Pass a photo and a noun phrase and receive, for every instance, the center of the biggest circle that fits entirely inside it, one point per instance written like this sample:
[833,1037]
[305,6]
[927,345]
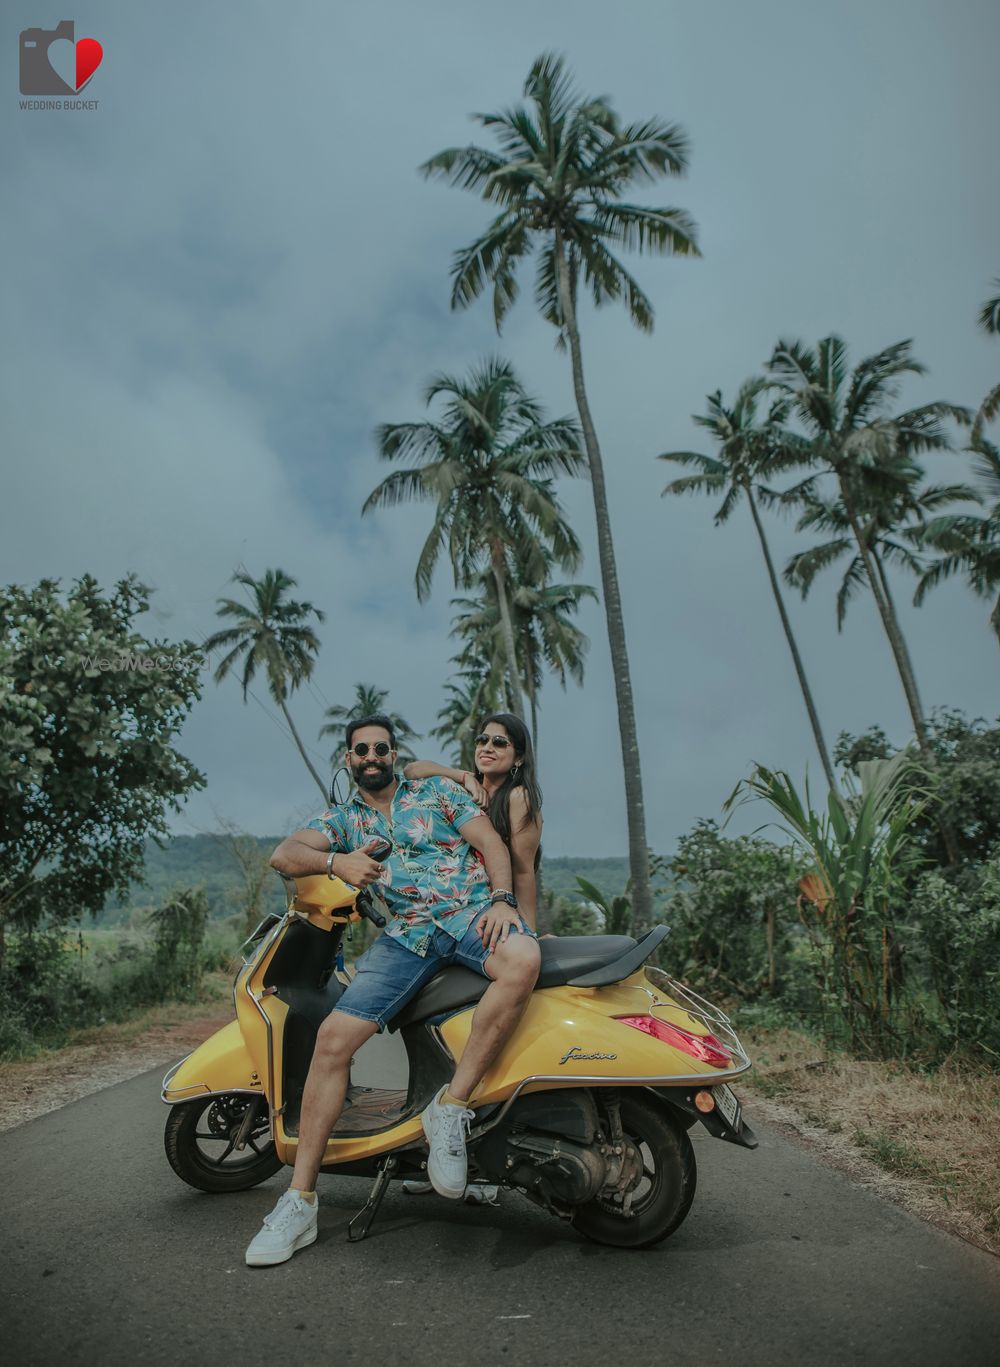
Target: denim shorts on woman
[389,975]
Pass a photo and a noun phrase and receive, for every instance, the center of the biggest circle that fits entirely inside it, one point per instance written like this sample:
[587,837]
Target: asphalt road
[107,1258]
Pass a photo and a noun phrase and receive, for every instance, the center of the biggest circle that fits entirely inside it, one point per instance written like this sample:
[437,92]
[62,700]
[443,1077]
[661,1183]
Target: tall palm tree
[272,634]
[750,451]
[489,466]
[368,700]
[891,522]
[544,634]
[558,178]
[471,693]
[968,544]
[853,437]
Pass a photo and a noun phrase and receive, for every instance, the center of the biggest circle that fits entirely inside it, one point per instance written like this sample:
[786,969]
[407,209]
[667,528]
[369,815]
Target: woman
[505,786]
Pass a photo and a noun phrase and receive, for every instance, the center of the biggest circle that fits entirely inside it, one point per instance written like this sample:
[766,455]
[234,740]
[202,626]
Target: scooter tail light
[705,1048]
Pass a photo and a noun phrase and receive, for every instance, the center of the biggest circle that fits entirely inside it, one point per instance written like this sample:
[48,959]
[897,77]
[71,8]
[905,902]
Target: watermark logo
[54,64]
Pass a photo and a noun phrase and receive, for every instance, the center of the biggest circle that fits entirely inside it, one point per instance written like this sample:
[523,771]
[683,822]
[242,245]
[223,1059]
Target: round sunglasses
[381,748]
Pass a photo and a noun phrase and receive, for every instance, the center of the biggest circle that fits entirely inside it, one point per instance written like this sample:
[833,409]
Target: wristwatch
[502,895]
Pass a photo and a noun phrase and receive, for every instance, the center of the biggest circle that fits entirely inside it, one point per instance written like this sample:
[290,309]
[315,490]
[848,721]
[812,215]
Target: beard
[372,782]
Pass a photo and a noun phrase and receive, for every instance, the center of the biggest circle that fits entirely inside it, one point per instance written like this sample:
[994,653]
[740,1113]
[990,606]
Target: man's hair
[376,719]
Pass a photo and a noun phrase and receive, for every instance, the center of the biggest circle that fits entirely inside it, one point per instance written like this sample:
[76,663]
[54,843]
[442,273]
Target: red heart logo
[89,55]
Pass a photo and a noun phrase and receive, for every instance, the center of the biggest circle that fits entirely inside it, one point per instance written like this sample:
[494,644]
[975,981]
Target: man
[448,907]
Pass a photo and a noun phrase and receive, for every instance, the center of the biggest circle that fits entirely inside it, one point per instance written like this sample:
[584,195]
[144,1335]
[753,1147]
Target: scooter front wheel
[660,1195]
[201,1136]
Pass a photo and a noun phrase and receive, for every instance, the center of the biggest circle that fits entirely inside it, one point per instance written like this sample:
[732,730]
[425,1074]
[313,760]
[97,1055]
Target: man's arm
[480,833]
[307,851]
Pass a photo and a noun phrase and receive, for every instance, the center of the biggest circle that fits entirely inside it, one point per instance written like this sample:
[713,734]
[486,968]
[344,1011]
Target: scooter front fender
[221,1065]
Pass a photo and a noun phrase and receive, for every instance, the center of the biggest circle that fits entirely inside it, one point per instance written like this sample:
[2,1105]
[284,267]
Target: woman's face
[495,751]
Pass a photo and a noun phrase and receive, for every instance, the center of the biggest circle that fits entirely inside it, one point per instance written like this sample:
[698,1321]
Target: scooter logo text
[576,1053]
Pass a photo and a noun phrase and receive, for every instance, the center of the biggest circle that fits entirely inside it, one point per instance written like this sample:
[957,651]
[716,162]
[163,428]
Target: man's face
[370,770]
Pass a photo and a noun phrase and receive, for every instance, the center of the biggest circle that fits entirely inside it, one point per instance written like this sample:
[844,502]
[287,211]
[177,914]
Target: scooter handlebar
[364,906]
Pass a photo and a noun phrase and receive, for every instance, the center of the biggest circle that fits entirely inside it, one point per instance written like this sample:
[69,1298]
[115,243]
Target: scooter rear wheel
[200,1139]
[660,1198]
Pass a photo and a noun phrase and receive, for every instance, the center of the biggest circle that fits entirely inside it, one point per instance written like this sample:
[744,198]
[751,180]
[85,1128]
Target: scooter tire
[665,1199]
[196,1166]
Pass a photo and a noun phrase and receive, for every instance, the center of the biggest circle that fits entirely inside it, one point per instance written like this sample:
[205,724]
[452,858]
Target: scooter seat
[563,959]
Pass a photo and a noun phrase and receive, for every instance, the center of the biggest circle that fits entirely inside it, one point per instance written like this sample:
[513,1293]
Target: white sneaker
[475,1194]
[290,1226]
[447,1161]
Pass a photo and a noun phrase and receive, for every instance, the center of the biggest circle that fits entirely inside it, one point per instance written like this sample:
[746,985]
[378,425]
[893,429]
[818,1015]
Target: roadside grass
[937,1133]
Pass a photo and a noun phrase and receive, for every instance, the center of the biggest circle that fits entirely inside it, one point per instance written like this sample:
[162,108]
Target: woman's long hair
[521,776]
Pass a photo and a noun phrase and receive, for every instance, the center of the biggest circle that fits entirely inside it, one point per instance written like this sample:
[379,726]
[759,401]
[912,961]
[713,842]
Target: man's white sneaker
[447,1161]
[290,1226]
[475,1194]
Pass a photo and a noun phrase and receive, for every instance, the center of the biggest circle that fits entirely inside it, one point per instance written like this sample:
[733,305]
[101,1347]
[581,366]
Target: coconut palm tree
[488,464]
[968,544]
[749,451]
[989,321]
[891,526]
[853,437]
[561,169]
[544,634]
[272,634]
[471,694]
[368,701]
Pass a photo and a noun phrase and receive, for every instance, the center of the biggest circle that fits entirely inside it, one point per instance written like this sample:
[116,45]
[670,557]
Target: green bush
[958,922]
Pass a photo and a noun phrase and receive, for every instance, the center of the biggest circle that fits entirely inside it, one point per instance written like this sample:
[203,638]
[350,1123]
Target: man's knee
[518,961]
[336,1040]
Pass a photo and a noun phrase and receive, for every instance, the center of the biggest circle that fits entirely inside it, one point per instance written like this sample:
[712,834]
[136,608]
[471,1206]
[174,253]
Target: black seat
[563,959]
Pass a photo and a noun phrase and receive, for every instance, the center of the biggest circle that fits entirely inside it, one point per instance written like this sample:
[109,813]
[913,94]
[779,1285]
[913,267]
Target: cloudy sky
[222,278]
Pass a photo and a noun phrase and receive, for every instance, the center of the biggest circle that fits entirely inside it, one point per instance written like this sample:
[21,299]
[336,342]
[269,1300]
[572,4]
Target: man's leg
[338,1040]
[514,969]
[388,976]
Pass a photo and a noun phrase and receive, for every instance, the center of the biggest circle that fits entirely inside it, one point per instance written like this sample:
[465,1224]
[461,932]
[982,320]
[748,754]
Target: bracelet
[329,863]
[500,892]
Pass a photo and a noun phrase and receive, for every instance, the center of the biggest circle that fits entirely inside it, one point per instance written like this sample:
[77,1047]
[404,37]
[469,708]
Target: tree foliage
[89,712]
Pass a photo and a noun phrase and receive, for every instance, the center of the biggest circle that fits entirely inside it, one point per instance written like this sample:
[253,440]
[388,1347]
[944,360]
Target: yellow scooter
[585,1111]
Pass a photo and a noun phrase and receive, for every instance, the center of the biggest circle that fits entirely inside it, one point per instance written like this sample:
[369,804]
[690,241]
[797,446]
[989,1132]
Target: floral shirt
[432,878]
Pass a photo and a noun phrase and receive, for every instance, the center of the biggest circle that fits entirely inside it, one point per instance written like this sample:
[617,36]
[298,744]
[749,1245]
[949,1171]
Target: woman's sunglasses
[380,747]
[498,742]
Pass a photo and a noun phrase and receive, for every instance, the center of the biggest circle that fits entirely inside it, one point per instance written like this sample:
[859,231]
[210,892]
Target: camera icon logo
[53,63]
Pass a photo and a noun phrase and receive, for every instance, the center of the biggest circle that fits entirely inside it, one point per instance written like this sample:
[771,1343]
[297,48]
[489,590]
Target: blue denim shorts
[388,975]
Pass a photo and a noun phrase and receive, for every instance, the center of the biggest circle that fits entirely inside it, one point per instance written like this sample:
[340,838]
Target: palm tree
[272,634]
[748,452]
[853,437]
[472,693]
[368,701]
[989,321]
[544,634]
[969,544]
[894,517]
[558,177]
[489,466]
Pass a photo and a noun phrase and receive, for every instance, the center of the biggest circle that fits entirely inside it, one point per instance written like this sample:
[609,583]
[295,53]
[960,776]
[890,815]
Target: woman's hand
[476,790]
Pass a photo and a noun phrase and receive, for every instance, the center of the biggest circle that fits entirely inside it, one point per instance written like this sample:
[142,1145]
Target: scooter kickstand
[359,1226]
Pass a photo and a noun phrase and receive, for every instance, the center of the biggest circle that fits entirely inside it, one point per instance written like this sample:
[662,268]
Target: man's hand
[358,868]
[495,925]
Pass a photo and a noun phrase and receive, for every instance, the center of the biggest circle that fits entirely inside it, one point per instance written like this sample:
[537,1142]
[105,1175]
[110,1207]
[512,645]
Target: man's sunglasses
[381,748]
[498,742]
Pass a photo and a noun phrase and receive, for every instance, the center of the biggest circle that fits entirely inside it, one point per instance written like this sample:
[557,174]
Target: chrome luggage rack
[710,1016]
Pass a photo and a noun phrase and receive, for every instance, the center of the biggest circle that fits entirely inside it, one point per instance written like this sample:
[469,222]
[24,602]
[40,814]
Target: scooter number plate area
[728,1106]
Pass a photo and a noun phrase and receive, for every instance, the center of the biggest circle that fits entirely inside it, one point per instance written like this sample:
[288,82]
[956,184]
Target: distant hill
[209,861]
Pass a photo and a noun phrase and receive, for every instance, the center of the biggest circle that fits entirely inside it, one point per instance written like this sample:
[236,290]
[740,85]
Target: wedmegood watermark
[55,67]
[134,663]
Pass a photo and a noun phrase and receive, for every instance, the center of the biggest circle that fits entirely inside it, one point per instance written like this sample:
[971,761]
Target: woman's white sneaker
[291,1225]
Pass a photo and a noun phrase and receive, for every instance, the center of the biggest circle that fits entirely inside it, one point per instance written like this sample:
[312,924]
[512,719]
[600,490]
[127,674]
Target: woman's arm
[426,768]
[525,834]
